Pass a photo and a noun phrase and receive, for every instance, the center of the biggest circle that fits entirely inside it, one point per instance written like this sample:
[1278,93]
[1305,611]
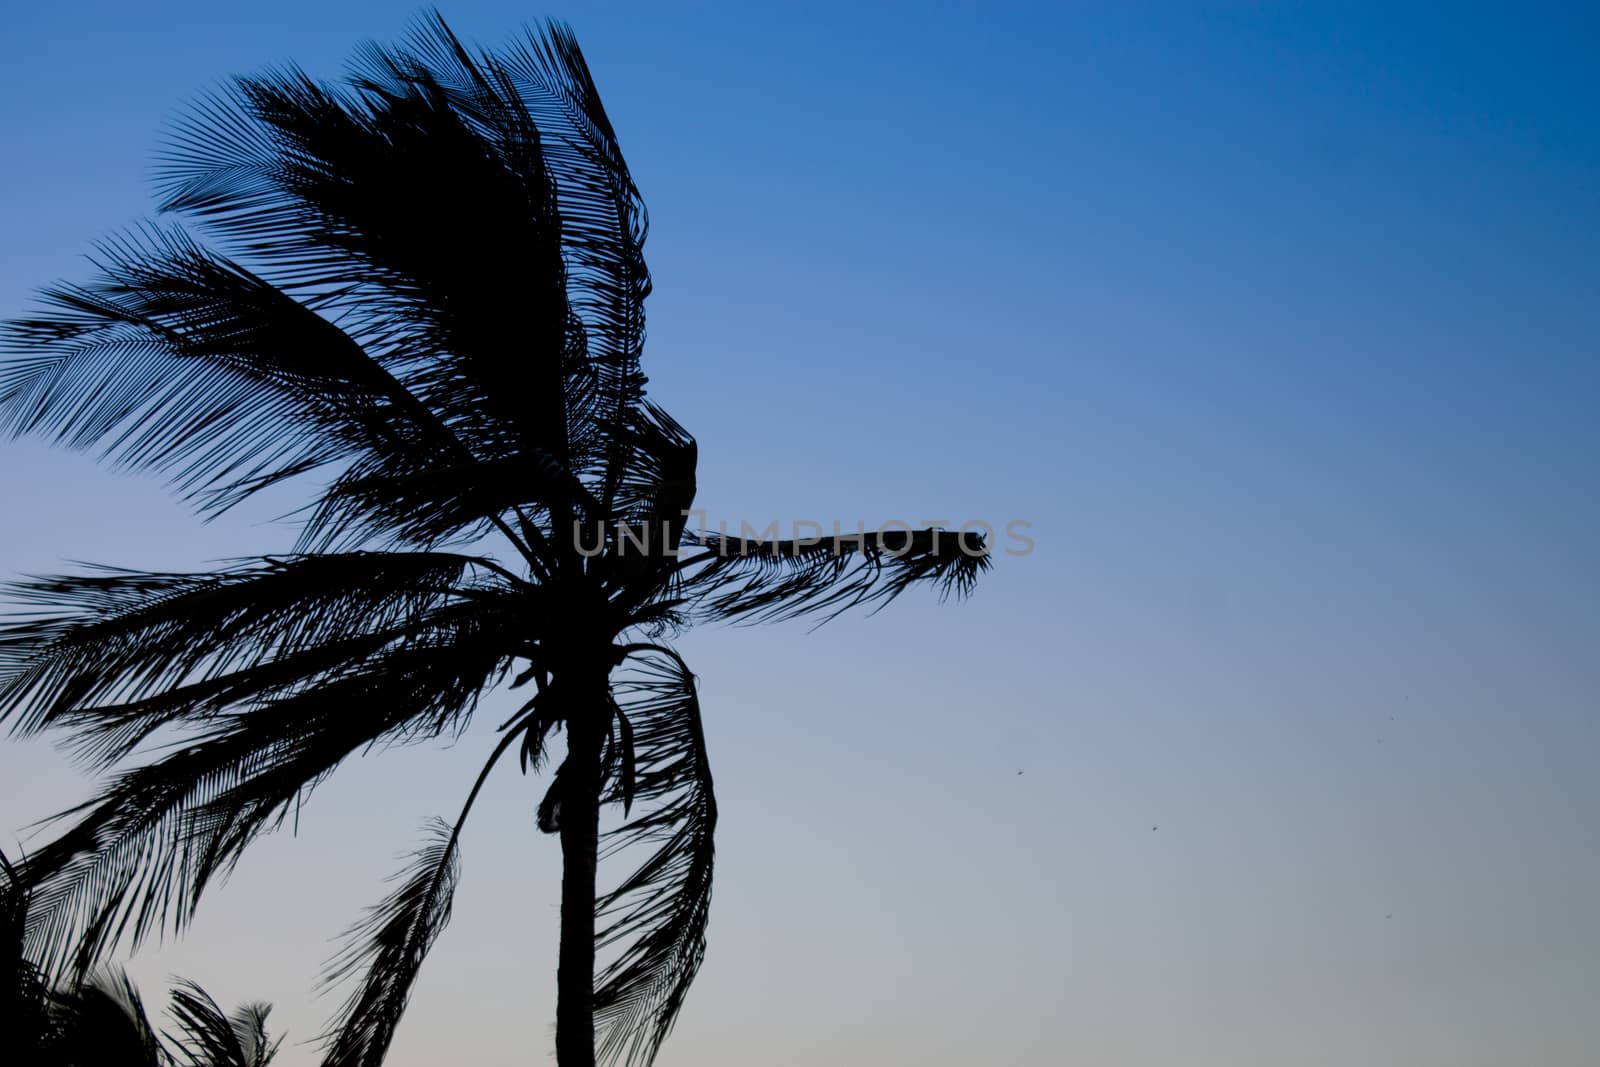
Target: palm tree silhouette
[101,1020]
[430,286]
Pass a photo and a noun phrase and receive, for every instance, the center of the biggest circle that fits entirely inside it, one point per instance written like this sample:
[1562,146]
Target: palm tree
[25,1016]
[101,1021]
[427,284]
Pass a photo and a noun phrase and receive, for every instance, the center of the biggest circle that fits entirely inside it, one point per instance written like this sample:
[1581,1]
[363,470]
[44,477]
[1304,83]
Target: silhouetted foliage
[100,1019]
[428,284]
[25,1016]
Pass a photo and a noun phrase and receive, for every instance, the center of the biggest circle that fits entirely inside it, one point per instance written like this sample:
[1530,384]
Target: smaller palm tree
[102,1022]
[25,1019]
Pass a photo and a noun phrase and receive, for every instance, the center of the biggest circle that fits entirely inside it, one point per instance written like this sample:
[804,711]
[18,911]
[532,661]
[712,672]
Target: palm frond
[650,510]
[655,917]
[103,1021]
[390,944]
[206,1037]
[606,224]
[138,857]
[387,948]
[759,581]
[118,653]
[424,202]
[183,362]
[249,1022]
[545,83]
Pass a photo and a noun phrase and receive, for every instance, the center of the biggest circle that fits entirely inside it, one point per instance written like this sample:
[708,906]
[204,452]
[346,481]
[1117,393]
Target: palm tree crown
[426,283]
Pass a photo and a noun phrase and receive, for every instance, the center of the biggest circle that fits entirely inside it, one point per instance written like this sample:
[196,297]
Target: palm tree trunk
[580,831]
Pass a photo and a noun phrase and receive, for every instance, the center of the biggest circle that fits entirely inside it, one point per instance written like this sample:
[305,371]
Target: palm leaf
[421,203]
[655,917]
[544,83]
[130,651]
[760,581]
[387,948]
[138,857]
[186,363]
[206,1037]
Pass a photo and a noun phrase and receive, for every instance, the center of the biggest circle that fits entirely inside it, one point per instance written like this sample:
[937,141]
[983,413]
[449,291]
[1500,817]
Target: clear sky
[1279,322]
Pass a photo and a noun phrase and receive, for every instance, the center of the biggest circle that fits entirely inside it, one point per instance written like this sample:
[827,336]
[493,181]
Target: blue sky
[1278,322]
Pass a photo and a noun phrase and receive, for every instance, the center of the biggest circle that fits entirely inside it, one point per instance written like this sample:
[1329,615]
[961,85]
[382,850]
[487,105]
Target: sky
[1277,322]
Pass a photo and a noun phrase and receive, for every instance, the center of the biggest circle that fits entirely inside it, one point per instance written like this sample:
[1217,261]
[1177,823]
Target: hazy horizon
[1277,323]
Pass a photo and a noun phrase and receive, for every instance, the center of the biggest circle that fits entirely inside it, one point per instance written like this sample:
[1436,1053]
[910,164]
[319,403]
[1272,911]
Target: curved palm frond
[207,1037]
[762,581]
[652,504]
[545,83]
[337,191]
[388,947]
[127,652]
[606,222]
[138,857]
[655,916]
[183,362]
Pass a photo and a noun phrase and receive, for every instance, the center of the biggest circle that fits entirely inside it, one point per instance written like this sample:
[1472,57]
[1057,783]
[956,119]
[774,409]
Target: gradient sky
[1279,324]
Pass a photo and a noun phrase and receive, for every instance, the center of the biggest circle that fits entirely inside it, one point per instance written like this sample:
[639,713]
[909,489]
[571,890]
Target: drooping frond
[184,362]
[755,580]
[655,917]
[138,856]
[117,654]
[652,503]
[606,225]
[545,80]
[386,949]
[440,238]
[206,1037]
